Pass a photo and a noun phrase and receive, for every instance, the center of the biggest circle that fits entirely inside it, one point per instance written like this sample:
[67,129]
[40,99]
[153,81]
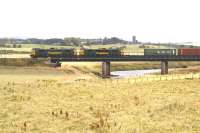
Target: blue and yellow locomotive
[70,53]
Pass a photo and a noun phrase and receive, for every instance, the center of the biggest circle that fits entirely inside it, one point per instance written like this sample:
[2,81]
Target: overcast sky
[149,20]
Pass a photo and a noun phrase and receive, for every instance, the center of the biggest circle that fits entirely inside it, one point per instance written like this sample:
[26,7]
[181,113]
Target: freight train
[111,52]
[173,52]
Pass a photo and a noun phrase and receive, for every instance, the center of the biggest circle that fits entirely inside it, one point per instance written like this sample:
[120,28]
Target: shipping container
[159,51]
[189,51]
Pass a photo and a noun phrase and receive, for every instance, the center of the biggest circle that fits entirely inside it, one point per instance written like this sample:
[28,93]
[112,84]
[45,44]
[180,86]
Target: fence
[150,78]
[143,79]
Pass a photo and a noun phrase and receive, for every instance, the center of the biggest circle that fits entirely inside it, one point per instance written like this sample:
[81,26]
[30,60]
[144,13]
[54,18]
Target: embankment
[93,68]
[22,62]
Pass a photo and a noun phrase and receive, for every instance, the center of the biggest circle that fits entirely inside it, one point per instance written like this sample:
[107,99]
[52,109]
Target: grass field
[46,46]
[131,48]
[47,100]
[15,55]
[95,67]
[25,50]
[39,99]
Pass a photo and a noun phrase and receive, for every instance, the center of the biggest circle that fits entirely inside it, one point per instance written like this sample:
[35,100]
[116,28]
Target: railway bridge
[106,61]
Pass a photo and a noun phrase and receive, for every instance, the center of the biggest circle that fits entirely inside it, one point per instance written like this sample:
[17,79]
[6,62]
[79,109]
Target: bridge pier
[58,64]
[106,69]
[164,67]
[53,63]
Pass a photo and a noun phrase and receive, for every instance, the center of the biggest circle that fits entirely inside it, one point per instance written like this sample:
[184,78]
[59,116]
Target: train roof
[53,49]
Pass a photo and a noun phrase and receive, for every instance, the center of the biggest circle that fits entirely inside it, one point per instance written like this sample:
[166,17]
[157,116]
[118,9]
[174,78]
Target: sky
[148,20]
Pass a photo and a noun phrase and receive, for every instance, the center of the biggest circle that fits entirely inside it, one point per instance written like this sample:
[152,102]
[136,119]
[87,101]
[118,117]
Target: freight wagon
[189,51]
[159,52]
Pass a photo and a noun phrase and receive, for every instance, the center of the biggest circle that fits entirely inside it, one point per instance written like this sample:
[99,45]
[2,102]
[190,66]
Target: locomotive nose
[33,54]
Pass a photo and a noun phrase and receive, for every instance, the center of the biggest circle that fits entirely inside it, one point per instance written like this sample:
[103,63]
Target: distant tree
[88,42]
[34,41]
[105,40]
[67,41]
[54,41]
[72,41]
[3,42]
[14,46]
[113,40]
[76,41]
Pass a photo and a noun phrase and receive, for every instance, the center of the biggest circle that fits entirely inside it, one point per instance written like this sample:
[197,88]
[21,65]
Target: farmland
[25,50]
[127,48]
[37,98]
[45,100]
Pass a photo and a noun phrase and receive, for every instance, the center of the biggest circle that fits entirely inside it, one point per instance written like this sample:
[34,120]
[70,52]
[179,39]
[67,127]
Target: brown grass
[40,101]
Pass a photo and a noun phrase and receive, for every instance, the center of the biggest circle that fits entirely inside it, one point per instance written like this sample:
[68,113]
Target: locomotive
[107,53]
[63,53]
[52,53]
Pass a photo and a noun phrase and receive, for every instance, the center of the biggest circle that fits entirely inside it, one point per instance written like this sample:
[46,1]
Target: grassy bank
[39,101]
[22,62]
[94,67]
[36,98]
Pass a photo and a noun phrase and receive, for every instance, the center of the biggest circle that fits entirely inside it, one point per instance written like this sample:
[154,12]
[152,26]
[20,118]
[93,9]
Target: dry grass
[22,62]
[43,100]
[18,49]
[190,69]
[15,56]
[120,66]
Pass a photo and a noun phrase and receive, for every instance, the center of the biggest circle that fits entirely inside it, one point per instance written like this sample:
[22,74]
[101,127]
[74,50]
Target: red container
[189,51]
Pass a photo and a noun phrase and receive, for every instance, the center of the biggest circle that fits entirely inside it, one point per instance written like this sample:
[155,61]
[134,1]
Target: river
[133,73]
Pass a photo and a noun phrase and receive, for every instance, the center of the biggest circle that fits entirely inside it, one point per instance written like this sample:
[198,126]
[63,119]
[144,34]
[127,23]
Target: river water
[133,73]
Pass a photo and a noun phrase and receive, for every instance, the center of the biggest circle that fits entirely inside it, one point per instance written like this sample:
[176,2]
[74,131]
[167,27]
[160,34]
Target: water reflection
[133,73]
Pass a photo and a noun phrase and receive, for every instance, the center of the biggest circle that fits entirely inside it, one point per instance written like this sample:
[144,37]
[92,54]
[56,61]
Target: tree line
[72,41]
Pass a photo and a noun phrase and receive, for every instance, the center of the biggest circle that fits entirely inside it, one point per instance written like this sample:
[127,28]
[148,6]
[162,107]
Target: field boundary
[150,78]
[143,79]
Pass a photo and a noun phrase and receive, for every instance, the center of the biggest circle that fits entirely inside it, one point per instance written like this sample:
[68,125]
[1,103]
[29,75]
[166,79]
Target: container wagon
[189,51]
[159,52]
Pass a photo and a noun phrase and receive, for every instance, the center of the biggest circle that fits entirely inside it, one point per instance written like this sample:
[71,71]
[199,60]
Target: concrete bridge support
[106,69]
[164,67]
[58,64]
